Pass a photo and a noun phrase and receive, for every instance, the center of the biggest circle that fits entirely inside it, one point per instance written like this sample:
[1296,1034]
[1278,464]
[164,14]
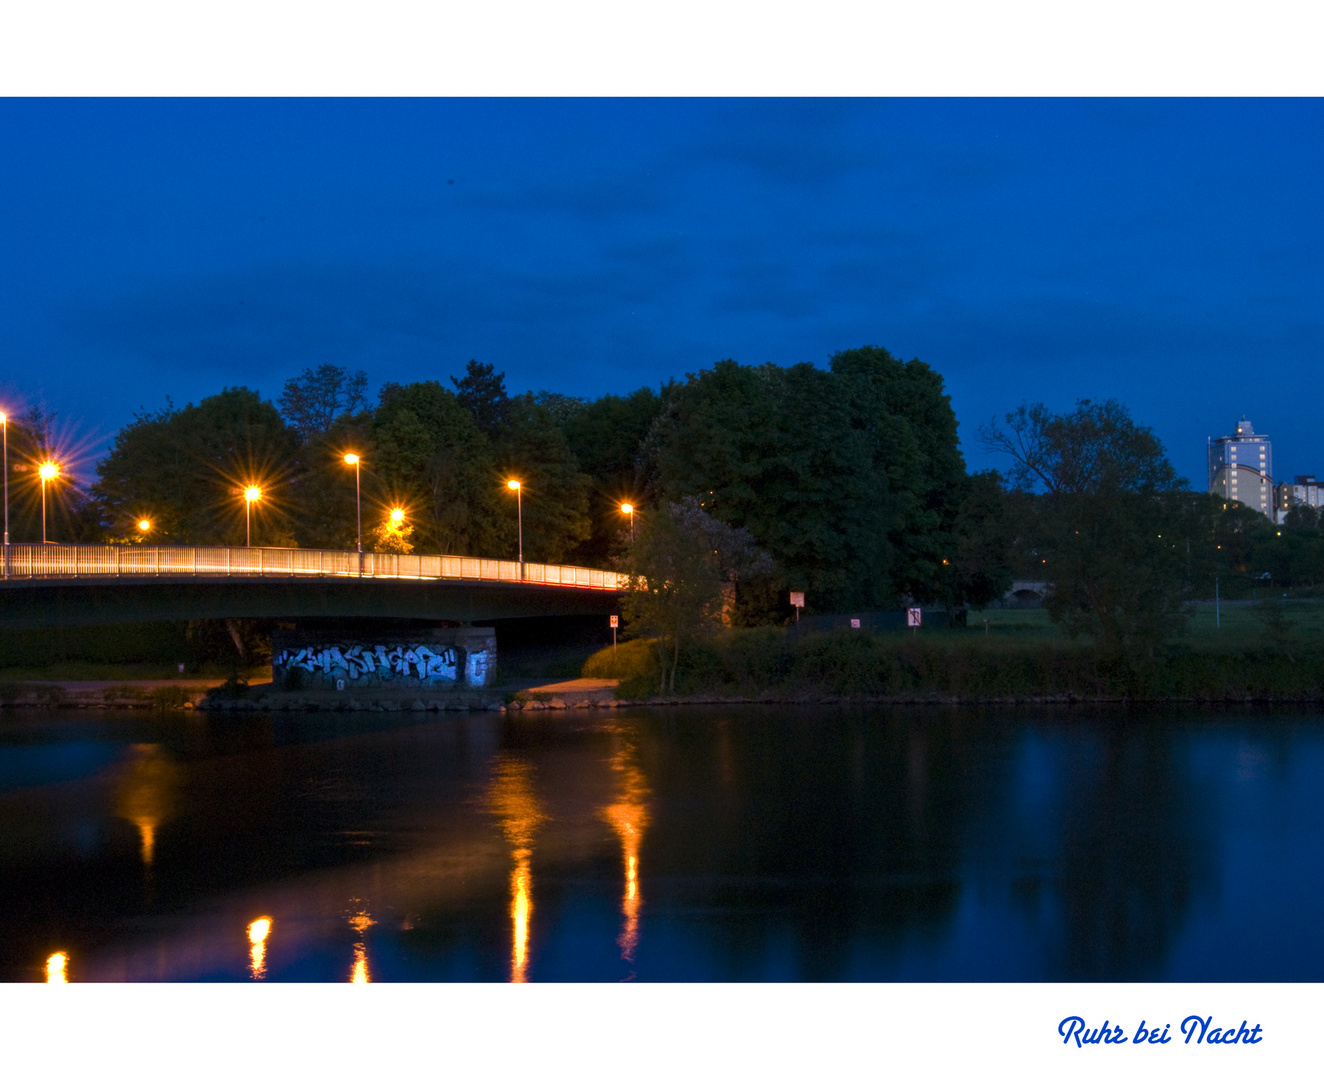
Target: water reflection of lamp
[258,932]
[57,968]
[360,921]
[359,972]
[511,798]
[145,795]
[629,817]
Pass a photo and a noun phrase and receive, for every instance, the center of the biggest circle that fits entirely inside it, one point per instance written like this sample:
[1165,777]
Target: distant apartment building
[1302,491]
[1241,469]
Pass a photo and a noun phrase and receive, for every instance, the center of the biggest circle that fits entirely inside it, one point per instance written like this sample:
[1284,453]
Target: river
[680,844]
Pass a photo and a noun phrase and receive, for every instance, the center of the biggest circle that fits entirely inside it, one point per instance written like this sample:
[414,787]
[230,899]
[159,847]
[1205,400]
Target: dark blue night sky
[1166,253]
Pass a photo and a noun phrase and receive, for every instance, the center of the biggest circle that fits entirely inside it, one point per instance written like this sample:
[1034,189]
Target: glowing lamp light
[397,516]
[513,485]
[252,494]
[258,930]
[626,508]
[144,525]
[3,418]
[48,470]
[351,459]
[57,968]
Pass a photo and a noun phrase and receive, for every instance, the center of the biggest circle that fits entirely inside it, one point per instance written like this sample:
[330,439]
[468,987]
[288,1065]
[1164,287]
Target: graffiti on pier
[383,665]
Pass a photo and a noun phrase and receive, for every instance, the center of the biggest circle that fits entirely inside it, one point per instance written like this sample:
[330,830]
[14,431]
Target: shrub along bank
[765,662]
[143,650]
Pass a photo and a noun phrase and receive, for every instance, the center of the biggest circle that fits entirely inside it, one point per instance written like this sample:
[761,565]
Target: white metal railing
[29,561]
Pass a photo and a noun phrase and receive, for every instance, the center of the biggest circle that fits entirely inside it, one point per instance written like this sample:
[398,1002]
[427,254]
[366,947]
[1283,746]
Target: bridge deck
[69,564]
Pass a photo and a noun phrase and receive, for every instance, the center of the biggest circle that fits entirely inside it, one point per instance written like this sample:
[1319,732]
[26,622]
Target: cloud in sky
[1162,252]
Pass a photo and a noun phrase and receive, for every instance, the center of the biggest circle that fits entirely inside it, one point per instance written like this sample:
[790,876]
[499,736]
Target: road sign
[855,624]
[615,621]
[914,616]
[797,599]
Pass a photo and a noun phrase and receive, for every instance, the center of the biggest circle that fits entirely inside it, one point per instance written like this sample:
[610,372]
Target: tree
[314,400]
[906,418]
[534,451]
[185,469]
[607,437]
[392,537]
[836,474]
[71,516]
[1107,524]
[1097,448]
[427,455]
[681,565]
[982,540]
[322,496]
[482,392]
[562,407]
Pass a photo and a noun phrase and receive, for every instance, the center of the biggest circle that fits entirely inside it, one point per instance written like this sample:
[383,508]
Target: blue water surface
[746,843]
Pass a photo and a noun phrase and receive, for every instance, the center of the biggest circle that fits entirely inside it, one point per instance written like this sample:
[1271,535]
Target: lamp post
[144,526]
[251,495]
[353,459]
[626,508]
[514,486]
[4,423]
[48,470]
[397,518]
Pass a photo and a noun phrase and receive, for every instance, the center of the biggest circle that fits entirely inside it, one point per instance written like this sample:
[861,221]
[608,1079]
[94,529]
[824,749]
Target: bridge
[67,585]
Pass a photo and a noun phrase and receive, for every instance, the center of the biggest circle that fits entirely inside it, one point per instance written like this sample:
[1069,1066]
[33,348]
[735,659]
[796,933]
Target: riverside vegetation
[1263,651]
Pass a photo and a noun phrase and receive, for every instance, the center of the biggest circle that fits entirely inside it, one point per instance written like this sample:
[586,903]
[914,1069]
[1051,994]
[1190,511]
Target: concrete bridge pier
[359,659]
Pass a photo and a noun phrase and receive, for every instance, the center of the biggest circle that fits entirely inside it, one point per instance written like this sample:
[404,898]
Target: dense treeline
[847,481]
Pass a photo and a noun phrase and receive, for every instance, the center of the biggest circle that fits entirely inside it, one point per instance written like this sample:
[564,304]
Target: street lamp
[514,486]
[626,508]
[397,518]
[144,526]
[251,495]
[48,470]
[353,459]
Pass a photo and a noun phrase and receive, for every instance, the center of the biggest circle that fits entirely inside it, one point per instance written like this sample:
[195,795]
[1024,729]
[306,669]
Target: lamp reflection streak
[511,799]
[359,922]
[145,794]
[57,968]
[628,816]
[359,972]
[520,908]
[258,931]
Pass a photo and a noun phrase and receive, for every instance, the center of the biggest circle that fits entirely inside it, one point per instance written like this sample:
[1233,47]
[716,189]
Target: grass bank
[1259,658]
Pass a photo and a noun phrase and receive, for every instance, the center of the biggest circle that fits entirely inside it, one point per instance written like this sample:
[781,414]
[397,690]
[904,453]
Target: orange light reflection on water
[359,972]
[359,922]
[57,968]
[147,833]
[258,931]
[520,908]
[511,798]
[145,794]
[628,816]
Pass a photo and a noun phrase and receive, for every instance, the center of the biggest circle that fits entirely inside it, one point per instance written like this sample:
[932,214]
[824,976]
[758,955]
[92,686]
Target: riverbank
[1276,664]
[261,696]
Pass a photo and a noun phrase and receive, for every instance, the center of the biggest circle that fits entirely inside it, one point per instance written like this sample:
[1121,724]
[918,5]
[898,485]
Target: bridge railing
[29,561]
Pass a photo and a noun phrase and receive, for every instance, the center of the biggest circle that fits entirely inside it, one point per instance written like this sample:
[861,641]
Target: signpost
[615,622]
[797,602]
[914,617]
